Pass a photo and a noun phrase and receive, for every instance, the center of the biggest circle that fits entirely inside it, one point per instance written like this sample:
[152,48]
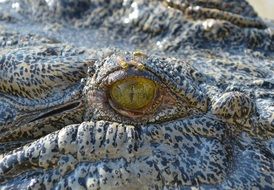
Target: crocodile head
[195,111]
[177,129]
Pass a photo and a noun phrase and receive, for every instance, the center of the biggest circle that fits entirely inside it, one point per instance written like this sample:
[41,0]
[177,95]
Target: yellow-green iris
[133,93]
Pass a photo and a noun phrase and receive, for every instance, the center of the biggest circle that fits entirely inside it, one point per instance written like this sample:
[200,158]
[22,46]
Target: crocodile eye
[133,93]
[138,89]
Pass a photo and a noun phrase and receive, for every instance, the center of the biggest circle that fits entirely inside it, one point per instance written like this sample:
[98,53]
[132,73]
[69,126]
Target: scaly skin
[213,126]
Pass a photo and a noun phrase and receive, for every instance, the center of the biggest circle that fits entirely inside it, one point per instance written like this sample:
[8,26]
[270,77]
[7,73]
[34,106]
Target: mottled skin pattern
[213,128]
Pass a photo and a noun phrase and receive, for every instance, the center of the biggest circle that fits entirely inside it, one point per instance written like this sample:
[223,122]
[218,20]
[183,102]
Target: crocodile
[136,94]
